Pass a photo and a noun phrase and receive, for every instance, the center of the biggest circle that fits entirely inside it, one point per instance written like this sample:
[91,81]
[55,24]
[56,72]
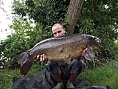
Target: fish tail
[25,63]
[26,67]
[22,58]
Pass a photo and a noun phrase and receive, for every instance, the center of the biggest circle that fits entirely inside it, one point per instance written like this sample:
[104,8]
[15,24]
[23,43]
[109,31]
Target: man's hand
[83,53]
[42,57]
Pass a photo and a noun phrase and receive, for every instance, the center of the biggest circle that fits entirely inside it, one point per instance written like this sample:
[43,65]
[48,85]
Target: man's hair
[58,24]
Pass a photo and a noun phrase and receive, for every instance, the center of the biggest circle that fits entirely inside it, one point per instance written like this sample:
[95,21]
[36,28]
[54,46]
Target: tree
[73,13]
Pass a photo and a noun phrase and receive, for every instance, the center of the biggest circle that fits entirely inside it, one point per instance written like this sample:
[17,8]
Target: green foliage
[45,12]
[24,38]
[27,13]
[98,18]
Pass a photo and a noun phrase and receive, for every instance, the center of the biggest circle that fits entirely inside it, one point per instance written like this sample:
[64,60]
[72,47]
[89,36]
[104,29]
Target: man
[60,71]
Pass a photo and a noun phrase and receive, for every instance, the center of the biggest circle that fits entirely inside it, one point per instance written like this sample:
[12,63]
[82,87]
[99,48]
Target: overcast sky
[5,18]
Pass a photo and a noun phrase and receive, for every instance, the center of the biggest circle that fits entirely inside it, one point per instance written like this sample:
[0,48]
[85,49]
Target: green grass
[107,75]
[102,76]
[6,78]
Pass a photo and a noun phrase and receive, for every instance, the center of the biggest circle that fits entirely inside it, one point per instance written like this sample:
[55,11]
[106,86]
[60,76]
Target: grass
[102,76]
[107,75]
[6,78]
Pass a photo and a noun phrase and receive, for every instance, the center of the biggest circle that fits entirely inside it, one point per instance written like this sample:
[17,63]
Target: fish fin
[89,54]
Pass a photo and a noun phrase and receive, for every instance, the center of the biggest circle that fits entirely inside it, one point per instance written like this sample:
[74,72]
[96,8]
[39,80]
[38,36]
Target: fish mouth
[97,43]
[98,40]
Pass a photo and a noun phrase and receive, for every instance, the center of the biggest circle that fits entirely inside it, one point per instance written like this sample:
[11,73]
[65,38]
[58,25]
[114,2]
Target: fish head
[93,41]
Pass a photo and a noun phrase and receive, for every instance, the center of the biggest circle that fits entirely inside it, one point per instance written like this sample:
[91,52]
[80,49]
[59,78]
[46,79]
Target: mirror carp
[61,48]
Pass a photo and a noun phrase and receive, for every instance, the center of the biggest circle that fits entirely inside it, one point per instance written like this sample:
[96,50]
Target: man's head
[58,30]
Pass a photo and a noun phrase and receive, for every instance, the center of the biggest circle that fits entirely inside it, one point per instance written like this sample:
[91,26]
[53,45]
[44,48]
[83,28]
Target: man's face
[58,30]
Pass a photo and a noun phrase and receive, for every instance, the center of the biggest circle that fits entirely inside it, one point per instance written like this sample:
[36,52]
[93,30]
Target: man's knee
[50,64]
[82,63]
[77,66]
[52,67]
[79,62]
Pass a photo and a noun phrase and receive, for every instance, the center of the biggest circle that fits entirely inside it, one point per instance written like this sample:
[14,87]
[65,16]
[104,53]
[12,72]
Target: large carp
[61,48]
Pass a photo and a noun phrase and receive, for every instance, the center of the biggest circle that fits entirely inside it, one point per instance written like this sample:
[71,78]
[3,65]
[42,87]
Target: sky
[5,18]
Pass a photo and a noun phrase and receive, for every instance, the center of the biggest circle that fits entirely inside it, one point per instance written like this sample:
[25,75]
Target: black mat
[42,80]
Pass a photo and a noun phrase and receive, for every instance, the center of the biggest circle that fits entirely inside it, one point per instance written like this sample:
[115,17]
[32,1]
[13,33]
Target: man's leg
[75,67]
[72,77]
[54,69]
[57,76]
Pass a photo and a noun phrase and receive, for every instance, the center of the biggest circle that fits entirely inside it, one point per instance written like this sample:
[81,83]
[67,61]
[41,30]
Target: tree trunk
[73,13]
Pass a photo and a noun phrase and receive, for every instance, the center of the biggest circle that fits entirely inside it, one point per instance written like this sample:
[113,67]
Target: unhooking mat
[42,80]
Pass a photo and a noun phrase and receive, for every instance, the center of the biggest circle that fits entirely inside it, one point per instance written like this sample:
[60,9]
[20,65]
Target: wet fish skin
[58,49]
